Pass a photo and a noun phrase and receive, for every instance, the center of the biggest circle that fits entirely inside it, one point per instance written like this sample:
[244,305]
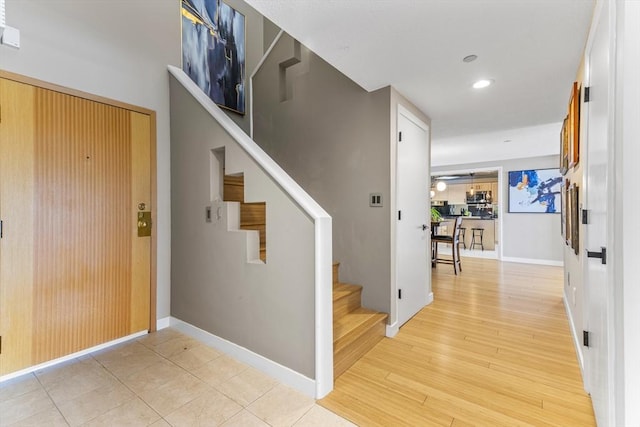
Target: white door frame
[612,287]
[501,196]
[393,327]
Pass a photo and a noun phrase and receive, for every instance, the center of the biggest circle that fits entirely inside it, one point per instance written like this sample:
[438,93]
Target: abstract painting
[535,191]
[213,51]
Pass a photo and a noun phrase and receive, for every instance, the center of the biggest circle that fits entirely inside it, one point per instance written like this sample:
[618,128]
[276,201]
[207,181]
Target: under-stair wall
[270,308]
[333,138]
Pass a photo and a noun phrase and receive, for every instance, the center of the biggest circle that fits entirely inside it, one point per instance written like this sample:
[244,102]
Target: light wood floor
[494,348]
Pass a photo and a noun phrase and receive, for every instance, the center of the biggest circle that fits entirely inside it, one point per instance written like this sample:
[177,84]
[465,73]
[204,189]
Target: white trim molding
[534,261]
[574,335]
[163,323]
[72,356]
[281,373]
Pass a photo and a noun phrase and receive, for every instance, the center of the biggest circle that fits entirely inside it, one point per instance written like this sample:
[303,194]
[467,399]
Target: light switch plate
[11,37]
[375,200]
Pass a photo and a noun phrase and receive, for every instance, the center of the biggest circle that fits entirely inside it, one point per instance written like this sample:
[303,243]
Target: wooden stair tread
[354,324]
[341,290]
[356,330]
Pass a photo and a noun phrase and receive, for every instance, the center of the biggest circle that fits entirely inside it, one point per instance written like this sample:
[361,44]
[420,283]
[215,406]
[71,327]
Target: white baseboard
[429,298]
[469,253]
[71,356]
[392,330]
[281,373]
[534,261]
[574,333]
[163,323]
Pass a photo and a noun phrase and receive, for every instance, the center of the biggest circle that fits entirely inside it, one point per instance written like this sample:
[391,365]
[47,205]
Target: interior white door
[413,280]
[598,356]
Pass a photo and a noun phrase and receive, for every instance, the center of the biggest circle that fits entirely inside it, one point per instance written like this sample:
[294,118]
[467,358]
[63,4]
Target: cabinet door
[457,194]
[494,192]
[441,196]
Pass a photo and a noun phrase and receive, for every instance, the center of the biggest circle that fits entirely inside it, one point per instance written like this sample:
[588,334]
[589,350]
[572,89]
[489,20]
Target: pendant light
[441,186]
[472,190]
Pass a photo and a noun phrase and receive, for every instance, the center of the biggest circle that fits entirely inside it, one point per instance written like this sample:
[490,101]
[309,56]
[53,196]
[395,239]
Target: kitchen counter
[490,235]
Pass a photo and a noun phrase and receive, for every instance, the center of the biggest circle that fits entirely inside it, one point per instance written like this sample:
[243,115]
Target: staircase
[356,330]
[253,216]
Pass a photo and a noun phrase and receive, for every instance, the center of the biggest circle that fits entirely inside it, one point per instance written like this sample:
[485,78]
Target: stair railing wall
[296,281]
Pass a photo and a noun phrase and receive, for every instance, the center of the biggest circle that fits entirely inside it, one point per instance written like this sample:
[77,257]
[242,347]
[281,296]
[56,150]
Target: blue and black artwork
[213,50]
[535,190]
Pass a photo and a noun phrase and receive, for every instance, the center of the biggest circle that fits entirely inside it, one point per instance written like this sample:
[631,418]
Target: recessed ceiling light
[469,58]
[482,84]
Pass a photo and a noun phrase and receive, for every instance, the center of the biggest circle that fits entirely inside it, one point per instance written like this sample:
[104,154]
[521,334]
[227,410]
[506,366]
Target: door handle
[424,227]
[602,254]
[144,224]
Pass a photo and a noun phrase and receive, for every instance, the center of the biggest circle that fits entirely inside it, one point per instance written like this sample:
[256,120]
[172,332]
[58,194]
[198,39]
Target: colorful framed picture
[535,191]
[574,126]
[213,51]
[563,209]
[575,217]
[564,147]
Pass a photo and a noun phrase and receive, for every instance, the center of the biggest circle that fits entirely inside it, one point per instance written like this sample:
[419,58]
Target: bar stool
[453,239]
[477,232]
[462,231]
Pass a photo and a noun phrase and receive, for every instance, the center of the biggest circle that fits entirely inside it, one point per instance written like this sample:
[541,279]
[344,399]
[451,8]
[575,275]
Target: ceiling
[530,48]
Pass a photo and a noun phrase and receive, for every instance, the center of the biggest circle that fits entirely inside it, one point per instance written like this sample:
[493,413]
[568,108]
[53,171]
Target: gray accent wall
[332,137]
[524,236]
[266,308]
[119,50]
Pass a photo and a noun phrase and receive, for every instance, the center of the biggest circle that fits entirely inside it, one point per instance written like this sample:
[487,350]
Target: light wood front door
[73,271]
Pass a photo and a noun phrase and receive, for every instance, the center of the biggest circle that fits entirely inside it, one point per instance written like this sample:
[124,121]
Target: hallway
[493,349]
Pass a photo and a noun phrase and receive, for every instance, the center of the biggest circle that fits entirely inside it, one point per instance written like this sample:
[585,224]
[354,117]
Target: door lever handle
[602,254]
[424,227]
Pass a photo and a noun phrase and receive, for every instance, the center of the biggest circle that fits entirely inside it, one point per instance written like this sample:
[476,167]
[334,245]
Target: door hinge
[400,136]
[399,215]
[1,228]
[602,254]
[399,293]
[587,94]
[585,338]
[585,216]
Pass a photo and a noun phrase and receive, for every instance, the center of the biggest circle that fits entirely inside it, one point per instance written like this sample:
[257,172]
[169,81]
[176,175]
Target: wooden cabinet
[458,194]
[441,196]
[495,194]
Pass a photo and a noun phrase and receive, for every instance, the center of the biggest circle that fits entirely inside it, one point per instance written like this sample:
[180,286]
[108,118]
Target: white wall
[520,143]
[119,50]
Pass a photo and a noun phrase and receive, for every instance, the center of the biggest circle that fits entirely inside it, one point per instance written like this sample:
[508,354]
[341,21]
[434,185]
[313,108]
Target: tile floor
[163,379]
